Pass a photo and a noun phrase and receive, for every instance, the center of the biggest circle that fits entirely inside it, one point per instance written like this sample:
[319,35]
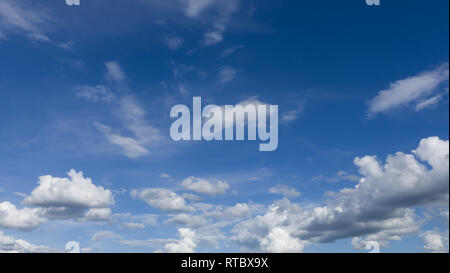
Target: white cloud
[131,147]
[285,191]
[430,102]
[133,118]
[292,115]
[114,71]
[10,245]
[340,176]
[194,221]
[163,199]
[98,214]
[434,242]
[193,8]
[186,243]
[22,219]
[98,93]
[203,186]
[213,37]
[173,42]
[280,241]
[133,225]
[380,207]
[25,18]
[227,74]
[165,175]
[75,191]
[104,234]
[409,90]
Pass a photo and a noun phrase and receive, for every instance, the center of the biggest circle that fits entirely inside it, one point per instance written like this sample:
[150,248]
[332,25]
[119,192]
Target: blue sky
[363,129]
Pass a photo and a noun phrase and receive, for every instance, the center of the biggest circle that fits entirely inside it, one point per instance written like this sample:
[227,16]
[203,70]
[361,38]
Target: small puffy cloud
[10,245]
[284,191]
[165,175]
[293,115]
[416,89]
[98,93]
[203,186]
[23,219]
[133,225]
[434,242]
[185,244]
[163,199]
[227,74]
[280,241]
[74,191]
[114,72]
[213,37]
[105,234]
[98,214]
[173,42]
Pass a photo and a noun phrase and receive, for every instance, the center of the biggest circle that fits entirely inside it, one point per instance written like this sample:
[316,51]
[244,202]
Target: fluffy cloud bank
[379,207]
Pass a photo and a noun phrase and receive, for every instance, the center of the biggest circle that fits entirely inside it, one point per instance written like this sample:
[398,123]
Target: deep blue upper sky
[322,62]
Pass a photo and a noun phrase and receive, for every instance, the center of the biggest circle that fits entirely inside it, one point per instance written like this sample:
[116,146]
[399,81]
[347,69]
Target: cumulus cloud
[417,89]
[10,245]
[74,191]
[114,71]
[163,199]
[23,219]
[203,186]
[186,243]
[380,207]
[434,242]
[98,93]
[285,191]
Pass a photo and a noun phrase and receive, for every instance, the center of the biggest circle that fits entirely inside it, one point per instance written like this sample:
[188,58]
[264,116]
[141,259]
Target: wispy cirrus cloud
[23,18]
[419,90]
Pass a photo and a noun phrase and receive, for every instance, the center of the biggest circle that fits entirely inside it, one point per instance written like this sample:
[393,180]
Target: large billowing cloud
[75,197]
[75,191]
[380,207]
